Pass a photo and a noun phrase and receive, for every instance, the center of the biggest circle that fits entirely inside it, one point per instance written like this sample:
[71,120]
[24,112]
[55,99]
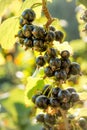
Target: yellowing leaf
[8,30]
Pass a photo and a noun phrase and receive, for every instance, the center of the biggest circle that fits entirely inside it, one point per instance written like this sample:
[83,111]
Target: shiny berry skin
[83,123]
[28,42]
[39,32]
[65,54]
[65,63]
[48,71]
[51,52]
[21,41]
[55,91]
[59,36]
[50,36]
[35,96]
[29,14]
[54,102]
[27,30]
[71,90]
[20,34]
[46,89]
[60,75]
[65,106]
[49,119]
[23,21]
[64,96]
[42,102]
[52,28]
[40,61]
[47,58]
[55,63]
[75,68]
[74,97]
[40,118]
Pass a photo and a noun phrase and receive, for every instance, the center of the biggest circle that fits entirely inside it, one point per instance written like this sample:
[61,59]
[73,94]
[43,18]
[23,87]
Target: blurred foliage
[16,64]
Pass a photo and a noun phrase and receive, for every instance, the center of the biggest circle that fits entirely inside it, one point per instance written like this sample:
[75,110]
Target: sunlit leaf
[8,30]
[33,85]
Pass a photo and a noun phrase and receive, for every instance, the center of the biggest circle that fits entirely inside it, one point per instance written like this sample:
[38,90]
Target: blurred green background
[16,65]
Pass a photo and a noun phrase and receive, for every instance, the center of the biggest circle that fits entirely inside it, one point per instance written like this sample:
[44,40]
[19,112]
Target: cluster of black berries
[36,37]
[54,98]
[60,67]
[84,18]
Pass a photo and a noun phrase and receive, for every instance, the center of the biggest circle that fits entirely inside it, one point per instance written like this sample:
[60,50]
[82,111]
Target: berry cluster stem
[47,14]
[65,119]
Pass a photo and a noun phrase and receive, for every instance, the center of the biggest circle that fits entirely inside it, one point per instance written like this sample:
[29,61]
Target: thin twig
[47,14]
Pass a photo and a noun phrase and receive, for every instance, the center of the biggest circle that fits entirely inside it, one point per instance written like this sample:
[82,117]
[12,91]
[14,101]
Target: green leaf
[8,30]
[33,85]
[4,4]
[84,2]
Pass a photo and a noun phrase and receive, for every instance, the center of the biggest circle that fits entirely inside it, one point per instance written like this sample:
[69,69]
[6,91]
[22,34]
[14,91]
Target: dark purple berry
[65,106]
[23,21]
[65,63]
[40,118]
[35,96]
[47,58]
[60,75]
[83,123]
[55,91]
[49,119]
[40,61]
[42,102]
[51,52]
[54,102]
[71,90]
[59,36]
[48,71]
[50,36]
[74,97]
[20,34]
[46,89]
[65,54]
[52,28]
[27,30]
[28,42]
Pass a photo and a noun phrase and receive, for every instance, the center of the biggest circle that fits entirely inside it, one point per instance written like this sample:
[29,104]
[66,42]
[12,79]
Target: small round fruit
[59,36]
[42,102]
[29,14]
[51,52]
[60,75]
[71,90]
[74,97]
[28,42]
[65,106]
[54,102]
[65,63]
[35,96]
[27,30]
[50,36]
[47,58]
[48,71]
[65,54]
[40,117]
[52,28]
[64,96]
[82,122]
[23,21]
[40,61]
[55,63]
[20,34]
[49,119]
[75,68]
[55,91]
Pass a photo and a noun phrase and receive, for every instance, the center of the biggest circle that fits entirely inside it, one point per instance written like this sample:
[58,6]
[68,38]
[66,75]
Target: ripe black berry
[42,101]
[54,102]
[35,96]
[23,21]
[48,71]
[40,61]
[29,14]
[52,28]
[55,63]
[52,52]
[39,32]
[59,36]
[65,63]
[27,31]
[49,119]
[65,54]
[64,95]
[60,75]
[28,42]
[46,89]
[47,58]
[55,91]
[20,34]
[65,106]
[75,68]
[40,118]
[50,36]
[71,90]
[82,122]
[74,97]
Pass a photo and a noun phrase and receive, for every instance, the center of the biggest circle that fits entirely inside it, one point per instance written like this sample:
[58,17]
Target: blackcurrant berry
[59,36]
[65,106]
[40,118]
[71,90]
[60,75]
[21,41]
[20,34]
[52,28]
[47,58]
[40,61]
[50,36]
[23,21]
[35,96]
[65,54]
[74,97]
[64,96]
[46,89]
[55,63]
[52,52]
[75,68]
[54,102]
[49,119]
[28,42]
[82,122]
[55,91]
[42,102]
[29,14]
[27,30]
[39,32]
[65,63]
[48,71]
